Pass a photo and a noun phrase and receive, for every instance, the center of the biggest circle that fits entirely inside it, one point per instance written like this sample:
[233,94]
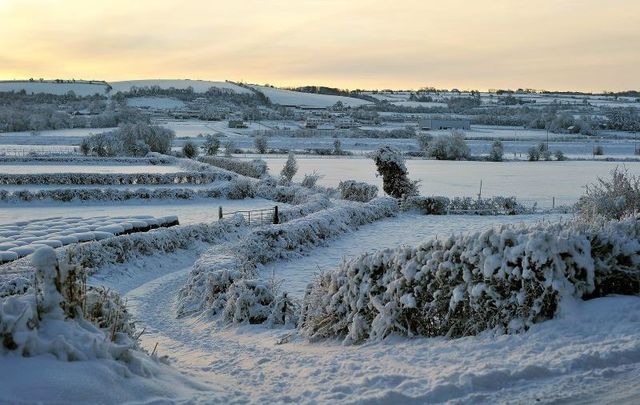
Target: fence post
[220,212]
[276,216]
[553,202]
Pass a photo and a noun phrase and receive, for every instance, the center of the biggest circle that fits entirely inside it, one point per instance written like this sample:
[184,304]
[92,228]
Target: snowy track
[591,353]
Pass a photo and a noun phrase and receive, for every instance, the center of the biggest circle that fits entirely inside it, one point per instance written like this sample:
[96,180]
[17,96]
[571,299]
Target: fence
[254,217]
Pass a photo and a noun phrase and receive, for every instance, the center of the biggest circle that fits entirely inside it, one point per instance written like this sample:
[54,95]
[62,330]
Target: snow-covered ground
[589,354]
[529,181]
[300,99]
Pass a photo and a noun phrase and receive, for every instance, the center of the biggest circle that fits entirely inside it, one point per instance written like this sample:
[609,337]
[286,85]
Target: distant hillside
[80,88]
[199,86]
[295,98]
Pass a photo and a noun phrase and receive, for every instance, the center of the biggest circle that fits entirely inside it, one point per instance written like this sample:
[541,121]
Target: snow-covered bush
[496,152]
[310,180]
[248,301]
[449,147]
[65,319]
[255,168]
[260,142]
[211,145]
[611,198]
[190,150]
[488,206]
[130,140]
[290,169]
[427,205]
[390,164]
[357,191]
[505,278]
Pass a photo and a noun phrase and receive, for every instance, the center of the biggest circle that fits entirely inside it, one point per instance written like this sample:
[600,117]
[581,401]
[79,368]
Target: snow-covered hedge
[254,168]
[505,278]
[218,269]
[357,191]
[611,198]
[114,179]
[236,189]
[122,248]
[436,205]
[316,203]
[151,159]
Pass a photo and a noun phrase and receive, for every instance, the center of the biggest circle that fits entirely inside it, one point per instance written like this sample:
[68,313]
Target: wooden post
[553,203]
[276,216]
[220,212]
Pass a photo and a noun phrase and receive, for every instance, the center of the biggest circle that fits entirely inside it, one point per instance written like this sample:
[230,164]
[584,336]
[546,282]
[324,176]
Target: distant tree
[395,181]
[598,150]
[423,141]
[190,150]
[337,147]
[229,148]
[533,154]
[496,152]
[449,147]
[85,148]
[290,169]
[211,145]
[559,155]
[260,142]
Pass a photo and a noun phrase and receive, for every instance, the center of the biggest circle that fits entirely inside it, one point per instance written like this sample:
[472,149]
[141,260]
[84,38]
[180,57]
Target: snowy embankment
[230,267]
[504,279]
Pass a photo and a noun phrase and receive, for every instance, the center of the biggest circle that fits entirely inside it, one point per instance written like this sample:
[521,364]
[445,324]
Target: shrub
[130,140]
[391,167]
[496,152]
[260,142]
[211,145]
[337,147]
[357,191]
[560,156]
[290,168]
[449,147]
[612,198]
[310,180]
[533,154]
[427,205]
[190,150]
[598,150]
[423,141]
[229,148]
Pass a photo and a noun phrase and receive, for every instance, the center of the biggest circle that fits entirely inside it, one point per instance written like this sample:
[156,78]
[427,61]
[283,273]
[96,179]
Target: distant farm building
[444,124]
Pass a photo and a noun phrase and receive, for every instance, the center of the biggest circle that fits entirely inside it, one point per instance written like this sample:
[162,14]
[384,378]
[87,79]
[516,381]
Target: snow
[589,353]
[188,212]
[529,181]
[81,89]
[300,99]
[199,86]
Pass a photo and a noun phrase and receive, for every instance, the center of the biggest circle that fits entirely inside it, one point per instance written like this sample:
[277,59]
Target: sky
[588,45]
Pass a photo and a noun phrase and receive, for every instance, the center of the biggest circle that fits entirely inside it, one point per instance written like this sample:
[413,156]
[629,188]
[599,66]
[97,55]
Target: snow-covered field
[188,212]
[80,89]
[529,181]
[296,98]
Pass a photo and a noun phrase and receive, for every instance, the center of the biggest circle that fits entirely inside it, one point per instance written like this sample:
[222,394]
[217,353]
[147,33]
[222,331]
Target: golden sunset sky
[591,45]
